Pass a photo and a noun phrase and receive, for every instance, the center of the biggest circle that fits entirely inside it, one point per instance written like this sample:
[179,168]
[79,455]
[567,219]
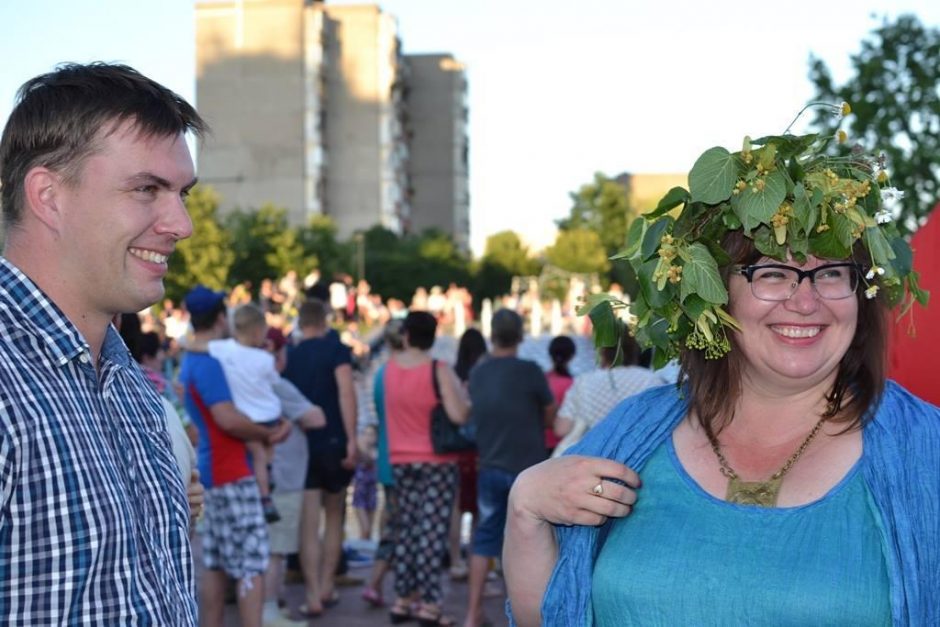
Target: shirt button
[84,358]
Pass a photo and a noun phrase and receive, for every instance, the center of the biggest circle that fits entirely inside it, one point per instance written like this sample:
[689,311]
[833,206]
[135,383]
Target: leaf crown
[789,197]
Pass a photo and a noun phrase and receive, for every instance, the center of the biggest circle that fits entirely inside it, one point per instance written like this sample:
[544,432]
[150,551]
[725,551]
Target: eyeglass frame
[747,271]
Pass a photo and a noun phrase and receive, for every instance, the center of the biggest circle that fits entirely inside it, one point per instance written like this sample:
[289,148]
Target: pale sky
[557,90]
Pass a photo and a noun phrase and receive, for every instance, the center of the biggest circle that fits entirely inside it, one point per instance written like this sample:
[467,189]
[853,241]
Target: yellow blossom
[882,177]
[845,109]
[822,227]
[842,136]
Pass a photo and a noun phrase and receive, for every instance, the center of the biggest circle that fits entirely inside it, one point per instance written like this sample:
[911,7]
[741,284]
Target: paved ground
[352,611]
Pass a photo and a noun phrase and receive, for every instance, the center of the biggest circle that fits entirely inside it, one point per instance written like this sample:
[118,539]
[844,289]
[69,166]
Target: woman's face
[796,343]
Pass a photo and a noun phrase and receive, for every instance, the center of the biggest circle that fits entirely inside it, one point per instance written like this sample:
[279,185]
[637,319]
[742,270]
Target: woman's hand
[574,490]
[196,494]
[567,490]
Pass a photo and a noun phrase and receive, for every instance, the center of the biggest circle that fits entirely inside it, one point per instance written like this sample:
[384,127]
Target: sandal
[306,613]
[373,597]
[432,618]
[401,612]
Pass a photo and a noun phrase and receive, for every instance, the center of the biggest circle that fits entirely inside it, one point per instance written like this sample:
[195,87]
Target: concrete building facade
[308,108]
[439,146]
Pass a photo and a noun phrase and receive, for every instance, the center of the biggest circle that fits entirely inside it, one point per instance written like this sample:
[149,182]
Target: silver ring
[598,490]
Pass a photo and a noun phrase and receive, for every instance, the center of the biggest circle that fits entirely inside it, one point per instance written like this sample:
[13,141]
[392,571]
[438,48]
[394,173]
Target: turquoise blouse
[900,468]
[684,557]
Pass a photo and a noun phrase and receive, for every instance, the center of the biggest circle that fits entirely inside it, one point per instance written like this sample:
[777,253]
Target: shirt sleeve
[213,386]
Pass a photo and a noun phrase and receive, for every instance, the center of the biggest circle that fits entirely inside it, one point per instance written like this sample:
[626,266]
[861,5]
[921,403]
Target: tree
[506,250]
[265,244]
[578,250]
[896,105]
[322,248]
[206,256]
[602,206]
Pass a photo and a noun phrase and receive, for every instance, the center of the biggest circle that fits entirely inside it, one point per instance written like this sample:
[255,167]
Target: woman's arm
[452,395]
[557,491]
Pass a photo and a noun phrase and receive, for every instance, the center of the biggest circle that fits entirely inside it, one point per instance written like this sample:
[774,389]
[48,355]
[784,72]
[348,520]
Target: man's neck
[201,339]
[504,351]
[309,333]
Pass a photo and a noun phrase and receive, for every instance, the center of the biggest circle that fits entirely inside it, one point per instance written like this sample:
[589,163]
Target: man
[510,405]
[320,367]
[234,537]
[94,522]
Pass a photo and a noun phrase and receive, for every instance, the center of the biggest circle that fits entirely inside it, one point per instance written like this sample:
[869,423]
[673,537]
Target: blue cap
[202,300]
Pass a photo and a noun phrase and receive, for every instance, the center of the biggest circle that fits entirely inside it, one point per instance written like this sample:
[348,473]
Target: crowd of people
[784,480]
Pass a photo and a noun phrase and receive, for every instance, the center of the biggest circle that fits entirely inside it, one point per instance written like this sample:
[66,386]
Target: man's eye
[146,189]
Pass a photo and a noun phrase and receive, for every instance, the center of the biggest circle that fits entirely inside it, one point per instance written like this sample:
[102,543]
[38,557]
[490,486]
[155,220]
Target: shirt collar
[40,316]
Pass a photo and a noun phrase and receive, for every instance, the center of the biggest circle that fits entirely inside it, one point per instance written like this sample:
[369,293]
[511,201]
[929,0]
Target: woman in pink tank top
[425,482]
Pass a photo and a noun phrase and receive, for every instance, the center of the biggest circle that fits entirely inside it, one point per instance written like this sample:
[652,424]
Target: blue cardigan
[900,466]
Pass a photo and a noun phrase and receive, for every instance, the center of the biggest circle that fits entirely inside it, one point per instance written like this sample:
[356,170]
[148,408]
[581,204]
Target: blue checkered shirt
[93,515]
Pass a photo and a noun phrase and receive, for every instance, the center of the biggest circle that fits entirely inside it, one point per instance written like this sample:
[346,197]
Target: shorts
[234,534]
[364,488]
[285,534]
[492,502]
[325,471]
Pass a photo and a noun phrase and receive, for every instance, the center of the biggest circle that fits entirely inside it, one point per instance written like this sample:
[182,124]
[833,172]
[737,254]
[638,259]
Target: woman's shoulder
[898,407]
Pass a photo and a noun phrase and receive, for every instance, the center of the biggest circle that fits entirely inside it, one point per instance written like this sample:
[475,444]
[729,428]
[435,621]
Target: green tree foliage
[323,249]
[504,257]
[895,100]
[578,250]
[602,206]
[265,245]
[506,250]
[397,266]
[207,256]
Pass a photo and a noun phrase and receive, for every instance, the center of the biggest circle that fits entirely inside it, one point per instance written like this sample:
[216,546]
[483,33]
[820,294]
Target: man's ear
[42,189]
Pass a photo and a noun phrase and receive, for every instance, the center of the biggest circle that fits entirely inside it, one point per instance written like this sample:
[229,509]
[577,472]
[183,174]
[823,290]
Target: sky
[557,90]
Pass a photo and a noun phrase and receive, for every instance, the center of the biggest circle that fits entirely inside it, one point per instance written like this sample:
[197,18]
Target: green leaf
[787,145]
[713,176]
[903,261]
[634,239]
[694,305]
[766,243]
[828,246]
[843,229]
[605,324]
[593,300]
[653,234]
[700,276]
[673,198]
[802,211]
[881,251]
[655,297]
[757,207]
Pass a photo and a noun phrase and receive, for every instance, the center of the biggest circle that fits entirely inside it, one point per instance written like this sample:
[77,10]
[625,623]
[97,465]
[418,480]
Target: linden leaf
[675,197]
[700,276]
[713,176]
[756,206]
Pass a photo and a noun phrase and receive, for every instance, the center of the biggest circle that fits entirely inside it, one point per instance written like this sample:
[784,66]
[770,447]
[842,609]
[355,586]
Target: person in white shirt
[593,394]
[257,390]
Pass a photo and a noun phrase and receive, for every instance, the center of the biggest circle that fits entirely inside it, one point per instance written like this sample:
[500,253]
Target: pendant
[761,493]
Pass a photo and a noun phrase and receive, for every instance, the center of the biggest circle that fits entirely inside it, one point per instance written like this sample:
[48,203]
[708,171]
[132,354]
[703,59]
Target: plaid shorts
[234,533]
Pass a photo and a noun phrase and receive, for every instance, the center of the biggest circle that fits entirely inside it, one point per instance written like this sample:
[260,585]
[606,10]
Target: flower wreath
[788,196]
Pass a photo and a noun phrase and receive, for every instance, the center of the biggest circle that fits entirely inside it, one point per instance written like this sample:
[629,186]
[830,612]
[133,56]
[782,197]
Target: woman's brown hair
[859,382]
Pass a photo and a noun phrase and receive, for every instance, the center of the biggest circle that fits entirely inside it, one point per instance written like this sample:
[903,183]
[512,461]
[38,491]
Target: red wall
[914,361]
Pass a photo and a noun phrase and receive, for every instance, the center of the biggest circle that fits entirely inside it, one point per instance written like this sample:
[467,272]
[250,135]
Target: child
[254,381]
[364,481]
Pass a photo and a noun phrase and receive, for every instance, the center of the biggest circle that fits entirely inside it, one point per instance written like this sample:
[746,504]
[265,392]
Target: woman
[471,349]
[425,482]
[784,481]
[595,393]
[561,350]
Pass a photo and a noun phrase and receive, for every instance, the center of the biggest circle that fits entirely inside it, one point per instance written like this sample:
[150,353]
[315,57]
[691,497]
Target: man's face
[121,220]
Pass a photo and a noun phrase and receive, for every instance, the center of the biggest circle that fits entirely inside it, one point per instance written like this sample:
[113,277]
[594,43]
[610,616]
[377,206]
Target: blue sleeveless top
[684,557]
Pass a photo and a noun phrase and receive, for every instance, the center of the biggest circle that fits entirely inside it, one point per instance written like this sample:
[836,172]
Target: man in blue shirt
[94,523]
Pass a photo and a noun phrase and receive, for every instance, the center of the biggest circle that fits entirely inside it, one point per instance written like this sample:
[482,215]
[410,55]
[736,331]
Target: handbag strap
[437,387]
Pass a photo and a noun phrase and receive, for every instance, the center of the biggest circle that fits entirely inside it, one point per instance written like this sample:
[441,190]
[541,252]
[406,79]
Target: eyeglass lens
[780,282]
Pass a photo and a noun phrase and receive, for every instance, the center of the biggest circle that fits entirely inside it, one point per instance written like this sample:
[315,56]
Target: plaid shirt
[94,520]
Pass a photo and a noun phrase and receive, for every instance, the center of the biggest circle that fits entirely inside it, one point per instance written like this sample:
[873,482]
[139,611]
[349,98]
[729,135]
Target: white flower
[874,270]
[891,194]
[883,217]
[871,292]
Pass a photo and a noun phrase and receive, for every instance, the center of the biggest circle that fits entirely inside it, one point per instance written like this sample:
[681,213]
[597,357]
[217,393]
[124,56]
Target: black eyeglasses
[776,282]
